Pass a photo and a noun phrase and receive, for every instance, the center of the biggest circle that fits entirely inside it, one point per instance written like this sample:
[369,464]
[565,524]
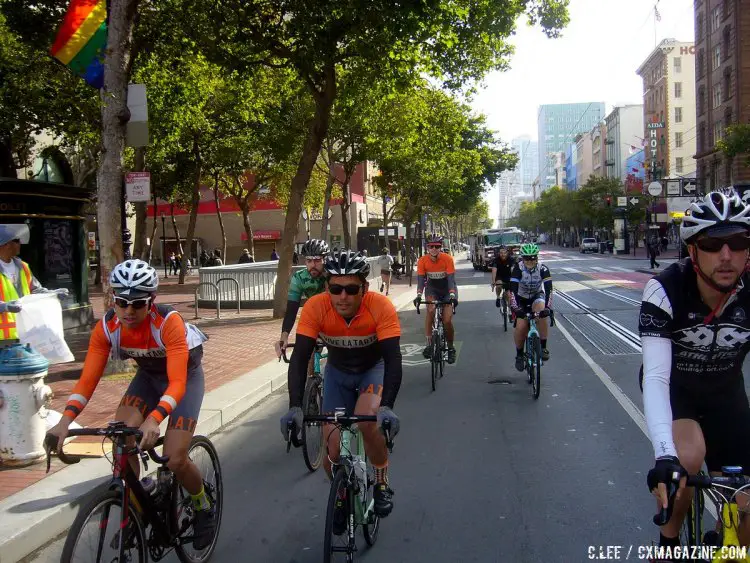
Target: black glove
[519,313]
[385,414]
[664,471]
[417,300]
[296,417]
[453,300]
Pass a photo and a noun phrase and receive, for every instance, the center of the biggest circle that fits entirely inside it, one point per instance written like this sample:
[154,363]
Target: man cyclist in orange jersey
[436,275]
[363,372]
[169,381]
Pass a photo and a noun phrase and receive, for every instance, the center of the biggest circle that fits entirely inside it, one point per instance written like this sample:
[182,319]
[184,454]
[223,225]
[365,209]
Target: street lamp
[164,244]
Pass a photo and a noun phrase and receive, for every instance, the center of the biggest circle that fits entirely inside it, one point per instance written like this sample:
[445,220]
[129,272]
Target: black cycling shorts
[527,303]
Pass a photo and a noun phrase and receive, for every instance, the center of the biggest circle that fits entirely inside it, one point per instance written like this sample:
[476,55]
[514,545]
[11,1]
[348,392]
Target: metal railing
[255,283]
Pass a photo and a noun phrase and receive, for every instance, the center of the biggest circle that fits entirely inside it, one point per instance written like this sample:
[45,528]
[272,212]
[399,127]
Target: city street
[481,471]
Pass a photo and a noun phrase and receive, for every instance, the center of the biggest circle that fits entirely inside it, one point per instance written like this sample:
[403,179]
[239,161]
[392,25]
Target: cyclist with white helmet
[530,287]
[169,381]
[305,283]
[695,332]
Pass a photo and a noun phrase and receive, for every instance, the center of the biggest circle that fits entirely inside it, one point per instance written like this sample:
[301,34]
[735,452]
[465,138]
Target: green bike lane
[481,471]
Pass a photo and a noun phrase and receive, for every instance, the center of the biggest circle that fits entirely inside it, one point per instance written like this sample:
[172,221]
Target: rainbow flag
[81,40]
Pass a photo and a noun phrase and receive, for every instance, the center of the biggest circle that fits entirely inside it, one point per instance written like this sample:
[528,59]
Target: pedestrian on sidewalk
[385,261]
[653,251]
[245,257]
[274,254]
[16,279]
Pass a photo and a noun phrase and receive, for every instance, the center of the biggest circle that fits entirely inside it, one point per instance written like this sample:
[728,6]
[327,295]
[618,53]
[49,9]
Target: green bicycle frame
[316,361]
[361,513]
[532,332]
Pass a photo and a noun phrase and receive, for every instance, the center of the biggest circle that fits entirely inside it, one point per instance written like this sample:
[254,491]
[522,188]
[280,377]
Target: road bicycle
[352,486]
[132,519]
[533,353]
[439,349]
[503,303]
[312,404]
[721,543]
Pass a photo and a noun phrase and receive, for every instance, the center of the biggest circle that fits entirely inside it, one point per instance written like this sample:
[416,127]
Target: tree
[736,142]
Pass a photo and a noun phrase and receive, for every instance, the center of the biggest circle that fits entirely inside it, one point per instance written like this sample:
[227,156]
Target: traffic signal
[609,201]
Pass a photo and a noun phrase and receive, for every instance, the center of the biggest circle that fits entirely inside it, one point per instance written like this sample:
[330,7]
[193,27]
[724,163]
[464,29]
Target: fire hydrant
[24,403]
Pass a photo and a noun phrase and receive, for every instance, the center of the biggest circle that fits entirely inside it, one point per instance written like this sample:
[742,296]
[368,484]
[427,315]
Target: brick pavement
[237,344]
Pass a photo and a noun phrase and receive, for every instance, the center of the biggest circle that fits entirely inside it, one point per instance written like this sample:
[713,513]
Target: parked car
[589,245]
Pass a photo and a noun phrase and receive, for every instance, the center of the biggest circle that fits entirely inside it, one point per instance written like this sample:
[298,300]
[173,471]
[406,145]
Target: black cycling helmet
[315,247]
[346,263]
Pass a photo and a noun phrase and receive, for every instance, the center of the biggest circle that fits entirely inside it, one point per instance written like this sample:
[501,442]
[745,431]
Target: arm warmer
[657,366]
[452,288]
[304,346]
[290,316]
[548,292]
[391,349]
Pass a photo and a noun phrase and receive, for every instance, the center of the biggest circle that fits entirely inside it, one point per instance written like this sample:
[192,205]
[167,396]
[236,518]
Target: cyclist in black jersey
[695,332]
[501,270]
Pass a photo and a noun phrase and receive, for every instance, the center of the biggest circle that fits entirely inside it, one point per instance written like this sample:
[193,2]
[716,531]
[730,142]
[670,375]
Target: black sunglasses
[135,303]
[16,240]
[735,243]
[351,289]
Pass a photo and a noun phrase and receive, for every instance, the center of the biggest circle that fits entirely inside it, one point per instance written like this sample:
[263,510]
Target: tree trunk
[7,162]
[329,191]
[316,134]
[407,257]
[149,252]
[115,116]
[194,202]
[139,246]
[345,205]
[174,227]
[385,223]
[221,219]
[245,207]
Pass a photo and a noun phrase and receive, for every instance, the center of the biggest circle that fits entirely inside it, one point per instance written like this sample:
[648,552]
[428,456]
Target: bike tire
[371,528]
[215,491]
[504,310]
[312,434]
[435,358]
[433,372]
[443,348]
[690,531]
[338,483]
[106,500]
[536,367]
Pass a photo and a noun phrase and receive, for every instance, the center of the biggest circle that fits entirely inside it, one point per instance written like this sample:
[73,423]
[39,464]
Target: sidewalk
[240,369]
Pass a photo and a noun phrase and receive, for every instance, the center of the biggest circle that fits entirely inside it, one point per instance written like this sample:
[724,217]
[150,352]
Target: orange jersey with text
[438,275]
[353,346]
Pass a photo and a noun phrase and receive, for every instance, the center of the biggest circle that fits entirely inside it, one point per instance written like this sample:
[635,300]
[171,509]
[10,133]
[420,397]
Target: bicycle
[503,303]
[161,504]
[312,404]
[353,480]
[533,346]
[723,543]
[439,351]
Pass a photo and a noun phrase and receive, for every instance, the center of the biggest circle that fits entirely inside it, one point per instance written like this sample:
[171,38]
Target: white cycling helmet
[134,277]
[717,213]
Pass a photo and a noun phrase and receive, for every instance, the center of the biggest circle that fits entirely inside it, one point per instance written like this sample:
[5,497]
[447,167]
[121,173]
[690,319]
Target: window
[678,140]
[699,27]
[678,164]
[701,100]
[717,96]
[717,57]
[718,130]
[678,89]
[725,8]
[677,64]
[678,115]
[727,38]
[715,18]
[728,116]
[727,83]
[702,137]
[701,63]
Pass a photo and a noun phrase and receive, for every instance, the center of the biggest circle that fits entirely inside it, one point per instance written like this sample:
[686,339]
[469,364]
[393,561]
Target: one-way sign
[634,201]
[688,188]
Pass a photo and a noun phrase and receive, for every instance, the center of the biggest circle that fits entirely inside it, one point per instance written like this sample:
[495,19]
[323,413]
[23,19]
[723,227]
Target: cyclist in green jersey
[305,283]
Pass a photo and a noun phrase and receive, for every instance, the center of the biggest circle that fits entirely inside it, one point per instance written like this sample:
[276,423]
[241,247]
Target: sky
[594,60]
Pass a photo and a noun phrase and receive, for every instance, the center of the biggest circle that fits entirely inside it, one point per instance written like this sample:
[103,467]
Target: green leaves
[736,141]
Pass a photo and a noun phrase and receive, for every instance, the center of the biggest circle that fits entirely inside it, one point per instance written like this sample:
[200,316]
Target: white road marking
[478,275]
[600,269]
[621,269]
[571,270]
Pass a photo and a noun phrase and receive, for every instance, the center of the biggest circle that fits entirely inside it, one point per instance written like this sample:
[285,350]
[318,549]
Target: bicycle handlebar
[52,445]
[341,420]
[439,302]
[534,314]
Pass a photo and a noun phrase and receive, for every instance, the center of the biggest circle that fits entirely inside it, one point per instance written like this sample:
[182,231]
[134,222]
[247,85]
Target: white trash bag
[40,324]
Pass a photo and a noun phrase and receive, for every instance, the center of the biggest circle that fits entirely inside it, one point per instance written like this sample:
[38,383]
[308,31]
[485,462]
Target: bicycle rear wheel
[338,546]
[94,536]
[312,433]
[504,310]
[203,454]
[435,359]
[443,349]
[536,366]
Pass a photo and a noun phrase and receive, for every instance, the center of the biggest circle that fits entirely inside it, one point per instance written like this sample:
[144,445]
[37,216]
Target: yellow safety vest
[8,293]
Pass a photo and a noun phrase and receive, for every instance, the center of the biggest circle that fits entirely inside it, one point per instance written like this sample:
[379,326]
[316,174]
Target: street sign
[673,187]
[622,201]
[633,201]
[654,189]
[138,186]
[688,188]
[655,125]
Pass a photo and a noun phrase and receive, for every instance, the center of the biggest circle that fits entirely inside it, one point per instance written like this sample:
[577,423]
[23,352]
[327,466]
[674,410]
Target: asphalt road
[481,471]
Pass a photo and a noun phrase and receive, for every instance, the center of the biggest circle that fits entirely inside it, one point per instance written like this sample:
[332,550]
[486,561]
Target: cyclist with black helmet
[304,283]
[502,268]
[363,373]
[169,381]
[530,286]
[695,332]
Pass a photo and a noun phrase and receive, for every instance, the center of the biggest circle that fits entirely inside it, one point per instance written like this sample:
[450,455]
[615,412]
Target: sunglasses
[735,243]
[16,240]
[135,303]
[434,246]
[529,258]
[351,289]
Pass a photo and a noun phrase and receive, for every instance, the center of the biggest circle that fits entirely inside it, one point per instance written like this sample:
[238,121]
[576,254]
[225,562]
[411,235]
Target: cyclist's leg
[450,332]
[388,282]
[542,325]
[140,399]
[519,335]
[339,390]
[428,320]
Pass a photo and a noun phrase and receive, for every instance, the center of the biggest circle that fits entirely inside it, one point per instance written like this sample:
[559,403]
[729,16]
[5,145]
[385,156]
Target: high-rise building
[558,125]
[668,75]
[624,137]
[722,45]
[528,162]
[505,193]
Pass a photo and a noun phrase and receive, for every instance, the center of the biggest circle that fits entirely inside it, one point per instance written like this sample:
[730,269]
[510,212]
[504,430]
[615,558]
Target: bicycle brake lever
[144,459]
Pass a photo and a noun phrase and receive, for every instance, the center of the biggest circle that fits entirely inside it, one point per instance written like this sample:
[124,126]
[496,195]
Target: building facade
[635,173]
[557,127]
[528,162]
[669,110]
[624,134]
[599,149]
[722,73]
[571,159]
[584,164]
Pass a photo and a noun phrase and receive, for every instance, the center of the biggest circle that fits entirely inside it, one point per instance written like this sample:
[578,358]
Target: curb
[40,513]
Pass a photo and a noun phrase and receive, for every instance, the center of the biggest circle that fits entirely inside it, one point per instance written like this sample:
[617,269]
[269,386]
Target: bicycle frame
[346,458]
[532,332]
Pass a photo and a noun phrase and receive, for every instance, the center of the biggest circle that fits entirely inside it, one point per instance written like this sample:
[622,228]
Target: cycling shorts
[725,424]
[524,303]
[146,389]
[341,389]
[431,294]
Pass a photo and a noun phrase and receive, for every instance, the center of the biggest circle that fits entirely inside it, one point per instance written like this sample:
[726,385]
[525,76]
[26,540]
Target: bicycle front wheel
[536,367]
[312,433]
[338,544]
[94,536]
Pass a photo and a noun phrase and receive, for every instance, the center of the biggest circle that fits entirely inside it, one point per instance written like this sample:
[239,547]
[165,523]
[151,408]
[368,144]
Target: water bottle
[360,470]
[148,484]
[164,476]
